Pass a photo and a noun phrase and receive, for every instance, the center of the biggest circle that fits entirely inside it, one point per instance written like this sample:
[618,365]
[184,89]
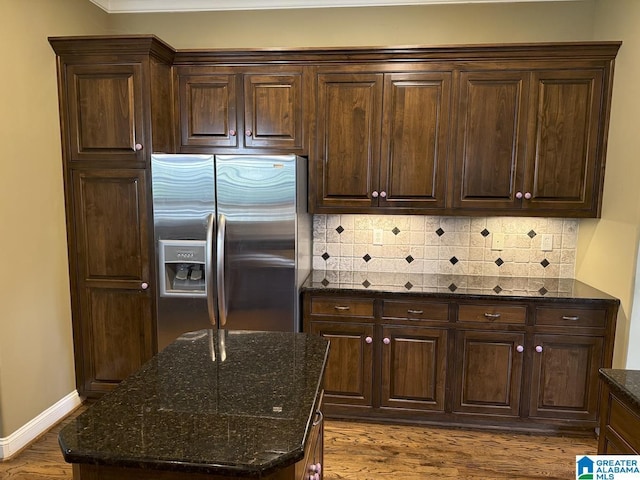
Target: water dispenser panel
[182,268]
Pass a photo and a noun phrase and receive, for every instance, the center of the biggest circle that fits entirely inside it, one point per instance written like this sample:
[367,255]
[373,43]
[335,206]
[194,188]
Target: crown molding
[148,6]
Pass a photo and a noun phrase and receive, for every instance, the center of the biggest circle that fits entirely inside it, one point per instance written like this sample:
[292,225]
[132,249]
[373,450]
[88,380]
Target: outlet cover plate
[497,241]
[377,236]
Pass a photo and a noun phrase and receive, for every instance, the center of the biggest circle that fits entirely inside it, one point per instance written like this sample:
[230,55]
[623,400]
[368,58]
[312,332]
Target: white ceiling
[139,6]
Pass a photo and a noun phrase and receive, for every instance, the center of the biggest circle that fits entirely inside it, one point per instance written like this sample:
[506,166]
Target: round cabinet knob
[538,348]
[312,468]
[318,467]
[138,147]
[232,133]
[520,349]
[368,339]
[527,196]
[316,476]
[144,285]
[383,194]
[518,195]
[374,194]
[248,133]
[386,341]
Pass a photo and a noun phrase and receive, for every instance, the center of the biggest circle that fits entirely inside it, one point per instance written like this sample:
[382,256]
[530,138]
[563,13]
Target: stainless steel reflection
[183,195]
[251,211]
[211,305]
[220,252]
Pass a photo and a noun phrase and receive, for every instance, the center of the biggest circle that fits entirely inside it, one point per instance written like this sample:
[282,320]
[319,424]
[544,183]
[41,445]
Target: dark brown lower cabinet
[413,367]
[489,369]
[523,364]
[564,382]
[348,377]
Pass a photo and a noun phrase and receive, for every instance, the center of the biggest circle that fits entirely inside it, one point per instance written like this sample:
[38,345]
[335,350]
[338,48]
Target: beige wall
[415,25]
[607,248]
[36,354]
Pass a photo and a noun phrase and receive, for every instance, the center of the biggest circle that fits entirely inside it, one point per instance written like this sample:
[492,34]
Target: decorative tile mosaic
[445,245]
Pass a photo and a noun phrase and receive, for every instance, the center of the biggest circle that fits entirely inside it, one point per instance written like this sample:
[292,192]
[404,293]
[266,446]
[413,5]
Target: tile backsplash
[445,245]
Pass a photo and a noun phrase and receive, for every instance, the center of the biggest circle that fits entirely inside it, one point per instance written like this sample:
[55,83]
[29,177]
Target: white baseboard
[26,434]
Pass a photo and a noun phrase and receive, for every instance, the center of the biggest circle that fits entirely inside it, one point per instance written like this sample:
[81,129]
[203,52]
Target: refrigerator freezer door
[257,196]
[183,208]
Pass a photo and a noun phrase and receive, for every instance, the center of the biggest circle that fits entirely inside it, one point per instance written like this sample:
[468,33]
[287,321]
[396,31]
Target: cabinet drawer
[349,307]
[625,422]
[415,310]
[570,317]
[493,313]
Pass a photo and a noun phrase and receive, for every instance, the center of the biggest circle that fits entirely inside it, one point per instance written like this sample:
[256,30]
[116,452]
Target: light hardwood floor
[357,451]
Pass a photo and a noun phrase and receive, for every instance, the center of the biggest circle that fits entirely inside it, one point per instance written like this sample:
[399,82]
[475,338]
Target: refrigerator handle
[208,269]
[220,246]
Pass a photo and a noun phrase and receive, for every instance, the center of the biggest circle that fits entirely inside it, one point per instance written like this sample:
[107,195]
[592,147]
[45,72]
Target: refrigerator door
[184,224]
[257,204]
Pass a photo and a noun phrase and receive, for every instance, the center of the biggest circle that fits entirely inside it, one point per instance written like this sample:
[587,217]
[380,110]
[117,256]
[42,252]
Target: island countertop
[625,383]
[222,402]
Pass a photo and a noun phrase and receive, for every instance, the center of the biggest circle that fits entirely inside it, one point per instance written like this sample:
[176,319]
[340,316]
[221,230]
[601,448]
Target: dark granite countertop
[452,285]
[624,382]
[230,403]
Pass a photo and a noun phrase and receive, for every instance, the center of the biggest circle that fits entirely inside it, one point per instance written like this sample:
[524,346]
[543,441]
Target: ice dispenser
[182,268]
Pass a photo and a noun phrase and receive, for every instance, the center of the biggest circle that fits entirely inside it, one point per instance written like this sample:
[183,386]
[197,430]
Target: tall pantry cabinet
[115,109]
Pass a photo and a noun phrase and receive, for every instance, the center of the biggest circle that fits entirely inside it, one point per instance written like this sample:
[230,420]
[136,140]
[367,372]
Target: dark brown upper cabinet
[567,133]
[228,109]
[105,111]
[415,140]
[490,143]
[382,139]
[115,98]
[349,126]
[530,142]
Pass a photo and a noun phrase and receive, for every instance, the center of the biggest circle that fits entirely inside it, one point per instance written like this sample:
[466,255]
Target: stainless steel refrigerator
[233,242]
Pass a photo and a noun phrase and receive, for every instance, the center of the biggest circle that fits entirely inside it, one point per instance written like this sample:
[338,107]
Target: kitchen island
[620,412]
[212,405]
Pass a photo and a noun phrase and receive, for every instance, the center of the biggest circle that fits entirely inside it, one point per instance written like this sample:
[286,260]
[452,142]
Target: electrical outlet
[377,236]
[497,241]
[547,242]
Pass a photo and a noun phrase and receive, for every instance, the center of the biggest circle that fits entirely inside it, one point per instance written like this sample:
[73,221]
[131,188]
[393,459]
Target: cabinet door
[413,367]
[565,377]
[348,139]
[489,372]
[490,141]
[313,451]
[564,164]
[112,273]
[415,139]
[273,111]
[105,112]
[207,104]
[348,377]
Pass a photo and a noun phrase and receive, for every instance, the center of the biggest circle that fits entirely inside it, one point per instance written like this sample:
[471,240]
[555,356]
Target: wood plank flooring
[357,451]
